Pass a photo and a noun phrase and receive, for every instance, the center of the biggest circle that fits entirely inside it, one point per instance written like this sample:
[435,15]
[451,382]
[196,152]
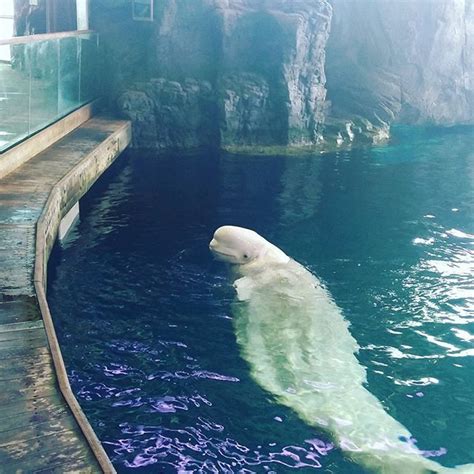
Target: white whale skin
[299,348]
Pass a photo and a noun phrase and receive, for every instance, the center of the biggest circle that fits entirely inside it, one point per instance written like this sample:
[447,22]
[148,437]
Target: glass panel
[43,57]
[42,81]
[6,8]
[69,55]
[14,94]
[82,7]
[89,68]
[6,27]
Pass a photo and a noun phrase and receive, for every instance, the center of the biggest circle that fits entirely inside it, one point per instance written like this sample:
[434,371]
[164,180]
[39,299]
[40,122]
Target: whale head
[240,246]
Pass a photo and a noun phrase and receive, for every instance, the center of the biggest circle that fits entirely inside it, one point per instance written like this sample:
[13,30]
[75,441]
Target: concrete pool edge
[64,194]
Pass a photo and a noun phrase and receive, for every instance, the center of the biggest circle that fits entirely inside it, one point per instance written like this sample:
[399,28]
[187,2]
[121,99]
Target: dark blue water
[144,313]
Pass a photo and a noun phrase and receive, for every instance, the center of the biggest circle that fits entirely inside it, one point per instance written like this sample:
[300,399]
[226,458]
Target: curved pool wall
[64,195]
[155,364]
[42,423]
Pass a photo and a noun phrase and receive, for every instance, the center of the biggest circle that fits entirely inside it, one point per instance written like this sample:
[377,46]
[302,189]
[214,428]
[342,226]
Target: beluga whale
[299,348]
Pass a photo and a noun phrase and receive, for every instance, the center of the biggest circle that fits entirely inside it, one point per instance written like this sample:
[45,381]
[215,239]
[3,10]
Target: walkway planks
[42,429]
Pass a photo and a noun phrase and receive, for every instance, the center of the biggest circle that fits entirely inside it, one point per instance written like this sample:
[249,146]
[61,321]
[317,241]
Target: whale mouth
[218,253]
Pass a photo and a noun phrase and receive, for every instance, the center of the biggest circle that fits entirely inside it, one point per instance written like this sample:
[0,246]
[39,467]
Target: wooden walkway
[42,428]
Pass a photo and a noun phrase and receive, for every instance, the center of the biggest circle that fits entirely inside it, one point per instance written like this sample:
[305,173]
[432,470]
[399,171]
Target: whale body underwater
[299,348]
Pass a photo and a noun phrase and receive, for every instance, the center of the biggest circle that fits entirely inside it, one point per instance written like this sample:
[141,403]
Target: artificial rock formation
[240,73]
[272,81]
[219,72]
[400,62]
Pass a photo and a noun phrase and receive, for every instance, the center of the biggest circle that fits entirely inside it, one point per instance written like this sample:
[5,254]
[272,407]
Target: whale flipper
[243,287]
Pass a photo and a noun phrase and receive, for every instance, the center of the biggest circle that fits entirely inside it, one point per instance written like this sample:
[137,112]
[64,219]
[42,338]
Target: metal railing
[42,79]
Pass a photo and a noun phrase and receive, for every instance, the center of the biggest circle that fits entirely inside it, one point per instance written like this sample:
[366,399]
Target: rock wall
[218,72]
[272,81]
[400,61]
[170,114]
[239,73]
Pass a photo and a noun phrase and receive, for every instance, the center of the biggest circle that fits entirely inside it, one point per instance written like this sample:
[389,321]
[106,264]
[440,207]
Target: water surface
[144,313]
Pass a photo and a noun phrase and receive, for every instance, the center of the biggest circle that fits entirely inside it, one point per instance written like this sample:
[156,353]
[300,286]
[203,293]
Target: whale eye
[245,255]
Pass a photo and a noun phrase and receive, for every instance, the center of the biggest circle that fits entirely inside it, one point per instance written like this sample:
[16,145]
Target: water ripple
[148,445]
[154,360]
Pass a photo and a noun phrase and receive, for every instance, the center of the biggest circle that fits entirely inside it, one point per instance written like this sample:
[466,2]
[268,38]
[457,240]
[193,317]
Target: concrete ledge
[24,151]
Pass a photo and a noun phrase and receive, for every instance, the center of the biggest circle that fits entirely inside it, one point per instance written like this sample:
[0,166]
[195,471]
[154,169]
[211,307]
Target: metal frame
[43,37]
[142,18]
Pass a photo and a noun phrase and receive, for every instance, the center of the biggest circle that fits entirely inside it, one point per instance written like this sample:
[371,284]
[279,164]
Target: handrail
[43,37]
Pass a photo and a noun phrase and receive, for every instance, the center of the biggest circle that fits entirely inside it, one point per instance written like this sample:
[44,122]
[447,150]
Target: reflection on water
[301,191]
[211,453]
[144,313]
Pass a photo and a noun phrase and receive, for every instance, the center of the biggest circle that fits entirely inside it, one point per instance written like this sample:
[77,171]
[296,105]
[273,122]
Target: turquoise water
[143,312]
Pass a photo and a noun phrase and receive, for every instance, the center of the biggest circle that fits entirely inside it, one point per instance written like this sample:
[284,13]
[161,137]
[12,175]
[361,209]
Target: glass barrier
[42,81]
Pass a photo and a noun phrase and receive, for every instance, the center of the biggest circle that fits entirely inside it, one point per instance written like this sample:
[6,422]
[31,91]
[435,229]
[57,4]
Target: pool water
[143,312]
